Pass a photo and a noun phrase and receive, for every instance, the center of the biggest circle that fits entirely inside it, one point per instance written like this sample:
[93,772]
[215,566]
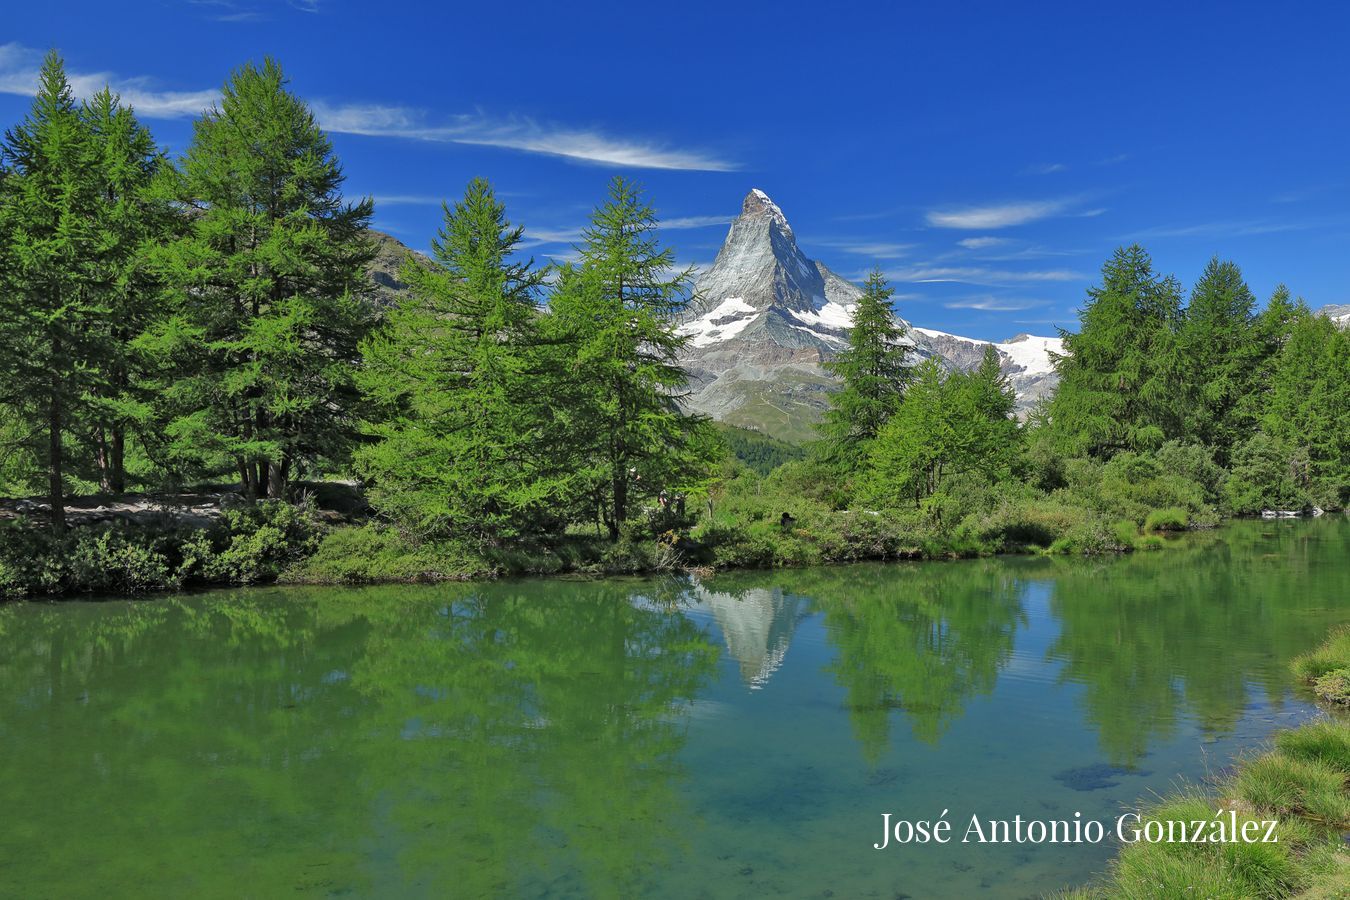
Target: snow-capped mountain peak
[765,316]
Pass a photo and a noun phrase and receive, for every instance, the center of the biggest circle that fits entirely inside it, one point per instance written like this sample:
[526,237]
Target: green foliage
[265,290]
[1267,474]
[948,425]
[460,390]
[1334,687]
[612,321]
[1120,379]
[1286,786]
[1334,653]
[1172,518]
[52,328]
[874,372]
[1221,355]
[758,452]
[117,560]
[1308,409]
[253,543]
[374,553]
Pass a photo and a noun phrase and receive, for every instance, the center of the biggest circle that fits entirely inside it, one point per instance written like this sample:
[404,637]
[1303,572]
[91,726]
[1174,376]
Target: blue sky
[988,156]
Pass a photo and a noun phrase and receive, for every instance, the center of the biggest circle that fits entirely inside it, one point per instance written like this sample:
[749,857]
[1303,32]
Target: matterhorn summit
[765,317]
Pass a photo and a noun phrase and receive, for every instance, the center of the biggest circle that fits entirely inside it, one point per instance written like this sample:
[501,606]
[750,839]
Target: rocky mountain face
[1338,313]
[766,317]
[386,268]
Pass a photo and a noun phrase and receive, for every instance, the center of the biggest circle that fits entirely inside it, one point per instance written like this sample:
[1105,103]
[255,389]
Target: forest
[206,324]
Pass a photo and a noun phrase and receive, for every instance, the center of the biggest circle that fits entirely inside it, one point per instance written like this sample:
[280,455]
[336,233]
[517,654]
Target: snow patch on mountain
[723,323]
[1338,313]
[829,315]
[1032,353]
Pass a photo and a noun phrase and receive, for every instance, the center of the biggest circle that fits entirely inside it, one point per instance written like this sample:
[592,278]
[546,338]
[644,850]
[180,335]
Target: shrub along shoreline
[273,541]
[1303,782]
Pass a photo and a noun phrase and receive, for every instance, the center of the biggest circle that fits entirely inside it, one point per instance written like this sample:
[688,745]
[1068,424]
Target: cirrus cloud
[19,68]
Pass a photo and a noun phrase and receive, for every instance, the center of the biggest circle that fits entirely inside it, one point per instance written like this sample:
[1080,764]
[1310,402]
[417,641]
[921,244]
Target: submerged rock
[1094,777]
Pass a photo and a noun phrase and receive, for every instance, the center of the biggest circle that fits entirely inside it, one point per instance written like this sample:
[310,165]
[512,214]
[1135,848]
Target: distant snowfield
[723,323]
[1029,352]
[1033,353]
[828,315]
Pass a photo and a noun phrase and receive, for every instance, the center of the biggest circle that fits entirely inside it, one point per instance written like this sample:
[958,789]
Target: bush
[116,560]
[1334,687]
[1173,518]
[256,542]
[374,553]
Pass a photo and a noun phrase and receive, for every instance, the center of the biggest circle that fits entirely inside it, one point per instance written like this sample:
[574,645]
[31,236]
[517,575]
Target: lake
[733,736]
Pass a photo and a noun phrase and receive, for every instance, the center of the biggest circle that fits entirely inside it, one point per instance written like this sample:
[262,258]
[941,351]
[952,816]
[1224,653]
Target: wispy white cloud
[1045,169]
[541,237]
[990,303]
[695,221]
[581,145]
[1006,215]
[1002,215]
[873,249]
[1232,228]
[980,243]
[19,67]
[19,75]
[977,275]
[536,237]
[407,200]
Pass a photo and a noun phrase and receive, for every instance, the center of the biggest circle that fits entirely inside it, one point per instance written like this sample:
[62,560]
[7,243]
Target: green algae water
[734,736]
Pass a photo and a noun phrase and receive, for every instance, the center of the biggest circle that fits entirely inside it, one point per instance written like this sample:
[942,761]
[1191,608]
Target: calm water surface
[738,736]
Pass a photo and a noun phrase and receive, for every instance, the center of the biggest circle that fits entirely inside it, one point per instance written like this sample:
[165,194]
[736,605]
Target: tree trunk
[56,482]
[276,481]
[118,479]
[101,456]
[620,487]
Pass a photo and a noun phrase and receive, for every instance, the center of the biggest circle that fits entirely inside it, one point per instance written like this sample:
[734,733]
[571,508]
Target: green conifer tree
[1221,353]
[1308,409]
[456,376]
[267,289]
[874,372]
[619,386]
[1120,378]
[130,216]
[52,317]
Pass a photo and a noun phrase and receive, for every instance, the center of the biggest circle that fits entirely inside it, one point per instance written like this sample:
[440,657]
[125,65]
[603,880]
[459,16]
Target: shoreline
[1300,776]
[274,542]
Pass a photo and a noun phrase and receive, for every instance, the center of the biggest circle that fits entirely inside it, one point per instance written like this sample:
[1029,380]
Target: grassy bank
[1303,782]
[741,524]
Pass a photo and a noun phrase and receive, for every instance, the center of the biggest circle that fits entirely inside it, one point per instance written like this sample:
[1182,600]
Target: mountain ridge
[766,317]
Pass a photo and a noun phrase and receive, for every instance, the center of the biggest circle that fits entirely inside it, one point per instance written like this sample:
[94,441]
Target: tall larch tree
[52,318]
[613,313]
[1221,355]
[268,289]
[459,388]
[1308,409]
[874,371]
[1120,384]
[130,217]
